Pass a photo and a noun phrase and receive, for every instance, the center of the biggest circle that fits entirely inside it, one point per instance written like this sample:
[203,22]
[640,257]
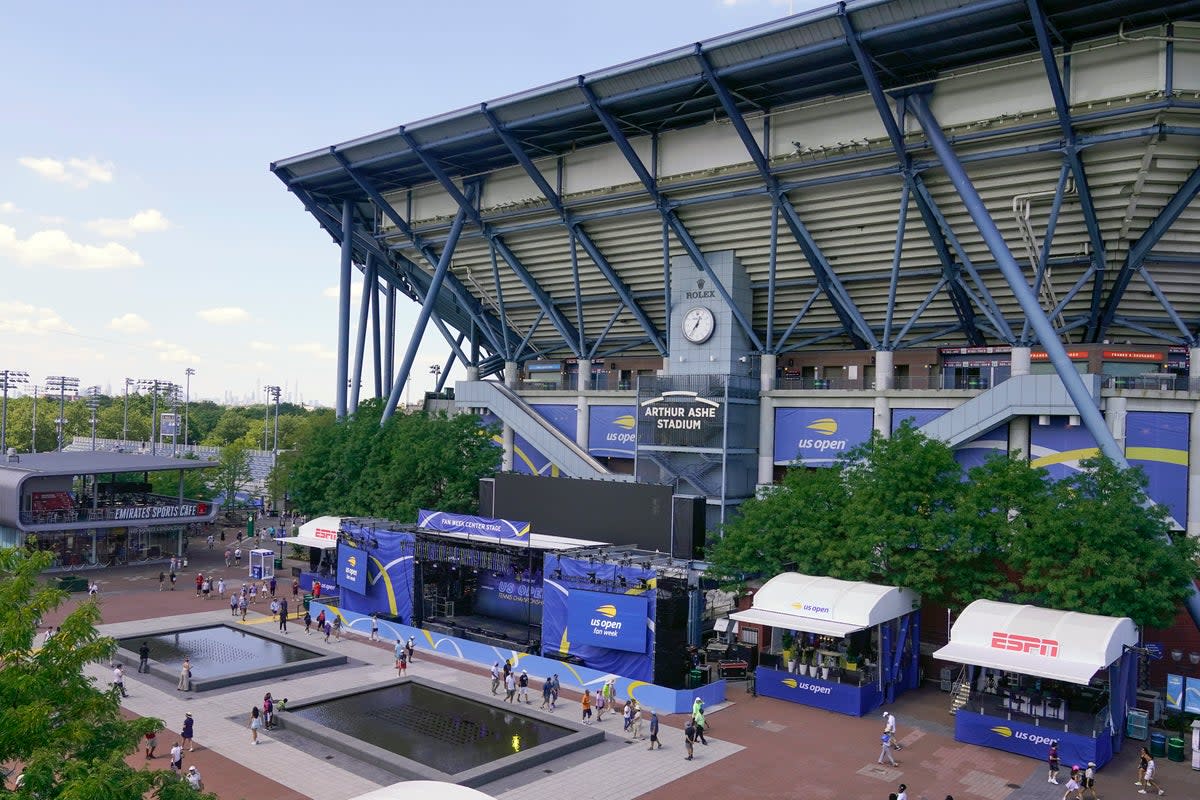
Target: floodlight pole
[33,423]
[8,377]
[125,417]
[155,385]
[93,401]
[62,383]
[187,399]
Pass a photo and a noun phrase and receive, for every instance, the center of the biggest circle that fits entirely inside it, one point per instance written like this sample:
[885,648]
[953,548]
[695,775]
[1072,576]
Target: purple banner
[1059,447]
[919,417]
[565,419]
[1158,443]
[612,431]
[816,437]
[527,459]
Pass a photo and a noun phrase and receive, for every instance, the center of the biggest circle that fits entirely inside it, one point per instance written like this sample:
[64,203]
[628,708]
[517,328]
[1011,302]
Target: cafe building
[845,646]
[1031,676]
[97,509]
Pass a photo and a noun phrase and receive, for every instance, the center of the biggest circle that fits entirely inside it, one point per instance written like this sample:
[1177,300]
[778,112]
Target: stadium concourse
[759,747]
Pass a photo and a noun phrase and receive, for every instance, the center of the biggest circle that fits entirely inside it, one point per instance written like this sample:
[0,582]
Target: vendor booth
[844,646]
[320,536]
[1034,675]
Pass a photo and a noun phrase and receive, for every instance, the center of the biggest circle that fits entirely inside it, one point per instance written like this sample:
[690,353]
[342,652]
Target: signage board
[612,621]
[612,431]
[680,418]
[465,523]
[1030,740]
[816,437]
[159,512]
[352,569]
[1174,699]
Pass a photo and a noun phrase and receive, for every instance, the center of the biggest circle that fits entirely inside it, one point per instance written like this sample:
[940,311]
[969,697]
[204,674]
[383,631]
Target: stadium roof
[97,463]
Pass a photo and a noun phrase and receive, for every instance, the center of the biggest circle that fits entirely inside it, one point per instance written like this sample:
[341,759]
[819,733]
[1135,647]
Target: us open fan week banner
[465,523]
[352,568]
[612,431]
[817,437]
[613,621]
[1030,740]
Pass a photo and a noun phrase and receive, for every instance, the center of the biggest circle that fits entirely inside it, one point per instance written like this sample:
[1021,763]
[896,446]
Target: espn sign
[1025,644]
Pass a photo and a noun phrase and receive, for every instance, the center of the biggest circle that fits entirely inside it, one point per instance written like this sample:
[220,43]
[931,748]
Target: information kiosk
[1033,676]
[844,646]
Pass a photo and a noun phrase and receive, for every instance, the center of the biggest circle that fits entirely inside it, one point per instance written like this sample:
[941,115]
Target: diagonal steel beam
[666,210]
[370,289]
[1071,152]
[468,301]
[544,301]
[1154,232]
[574,226]
[843,305]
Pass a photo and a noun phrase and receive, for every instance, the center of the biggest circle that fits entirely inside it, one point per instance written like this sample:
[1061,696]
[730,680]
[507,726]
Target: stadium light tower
[8,377]
[125,419]
[187,398]
[273,394]
[93,401]
[155,386]
[62,384]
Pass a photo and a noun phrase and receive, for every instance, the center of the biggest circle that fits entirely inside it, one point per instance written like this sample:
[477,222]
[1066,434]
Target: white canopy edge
[426,790]
[323,544]
[792,622]
[1059,645]
[536,541]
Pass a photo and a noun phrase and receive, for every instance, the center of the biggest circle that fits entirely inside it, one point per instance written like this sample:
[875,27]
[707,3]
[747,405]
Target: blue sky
[141,231]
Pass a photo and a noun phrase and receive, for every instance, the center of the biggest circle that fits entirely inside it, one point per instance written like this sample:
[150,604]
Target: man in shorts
[689,738]
[654,731]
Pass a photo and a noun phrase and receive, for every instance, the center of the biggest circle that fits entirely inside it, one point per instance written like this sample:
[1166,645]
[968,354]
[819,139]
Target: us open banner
[465,523]
[614,621]
[816,437]
[352,569]
[612,431]
[1030,740]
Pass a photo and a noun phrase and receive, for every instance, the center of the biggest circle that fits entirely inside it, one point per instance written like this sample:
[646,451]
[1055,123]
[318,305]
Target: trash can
[695,679]
[1158,744]
[1175,748]
[307,601]
[278,563]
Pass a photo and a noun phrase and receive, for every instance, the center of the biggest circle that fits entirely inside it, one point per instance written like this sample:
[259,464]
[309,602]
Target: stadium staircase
[533,427]
[1020,395]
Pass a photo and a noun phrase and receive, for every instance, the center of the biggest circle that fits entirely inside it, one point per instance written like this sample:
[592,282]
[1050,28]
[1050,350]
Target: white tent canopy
[321,532]
[826,606]
[1060,645]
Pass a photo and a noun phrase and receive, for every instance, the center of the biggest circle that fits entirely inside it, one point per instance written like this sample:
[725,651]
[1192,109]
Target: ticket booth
[1032,676]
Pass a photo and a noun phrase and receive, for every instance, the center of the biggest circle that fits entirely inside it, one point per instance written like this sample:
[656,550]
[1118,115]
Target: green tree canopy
[69,734]
[233,473]
[355,467]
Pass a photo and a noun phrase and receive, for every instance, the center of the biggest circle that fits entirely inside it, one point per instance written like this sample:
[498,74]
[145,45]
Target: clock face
[698,324]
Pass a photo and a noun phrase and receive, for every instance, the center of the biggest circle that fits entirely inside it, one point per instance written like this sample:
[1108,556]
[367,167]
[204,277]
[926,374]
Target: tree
[231,426]
[197,483]
[233,473]
[1100,549]
[69,734]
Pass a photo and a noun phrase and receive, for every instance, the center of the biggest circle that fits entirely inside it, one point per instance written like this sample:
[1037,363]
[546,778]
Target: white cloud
[8,207]
[314,349]
[265,347]
[77,172]
[149,221]
[54,248]
[175,353]
[225,315]
[23,318]
[129,323]
[355,290]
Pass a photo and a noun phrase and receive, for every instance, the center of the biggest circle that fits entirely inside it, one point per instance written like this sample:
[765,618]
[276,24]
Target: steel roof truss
[1071,155]
[1140,249]
[932,293]
[505,351]
[608,327]
[812,298]
[575,228]
[560,322]
[1043,263]
[664,208]
[532,329]
[1166,304]
[1146,329]
[898,249]
[817,339]
[843,305]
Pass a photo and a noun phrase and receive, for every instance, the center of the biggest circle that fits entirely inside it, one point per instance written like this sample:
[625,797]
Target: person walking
[243,607]
[1150,781]
[902,792]
[1143,760]
[119,679]
[1073,788]
[654,731]
[627,715]
[1089,781]
[162,579]
[886,750]
[375,627]
[268,711]
[189,728]
[510,687]
[555,687]
[295,590]
[173,577]
[523,686]
[273,585]
[586,704]
[237,557]
[307,622]
[547,686]
[144,657]
[321,622]
[637,722]
[1053,763]
[889,727]
[337,627]
[701,726]
[411,646]
[328,630]
[689,738]
[149,743]
[495,671]
[228,557]
[185,676]
[399,651]
[255,724]
[233,604]
[221,587]
[283,616]
[194,780]
[176,757]
[601,705]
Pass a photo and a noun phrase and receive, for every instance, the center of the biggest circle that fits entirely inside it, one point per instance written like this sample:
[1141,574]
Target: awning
[827,606]
[725,624]
[323,544]
[1059,645]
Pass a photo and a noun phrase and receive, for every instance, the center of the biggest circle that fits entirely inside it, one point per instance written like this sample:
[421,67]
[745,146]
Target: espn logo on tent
[1025,644]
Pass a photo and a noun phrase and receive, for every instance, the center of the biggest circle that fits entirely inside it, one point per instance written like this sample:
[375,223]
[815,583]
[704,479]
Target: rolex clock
[698,324]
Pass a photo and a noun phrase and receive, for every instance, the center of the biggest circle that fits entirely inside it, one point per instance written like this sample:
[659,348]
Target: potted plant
[789,643]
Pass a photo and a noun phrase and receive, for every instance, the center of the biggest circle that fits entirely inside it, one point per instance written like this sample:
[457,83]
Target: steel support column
[369,288]
[377,355]
[1089,412]
[346,265]
[666,210]
[418,333]
[843,305]
[389,339]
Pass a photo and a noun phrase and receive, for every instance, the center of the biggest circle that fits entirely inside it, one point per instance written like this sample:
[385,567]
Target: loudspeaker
[487,497]
[687,526]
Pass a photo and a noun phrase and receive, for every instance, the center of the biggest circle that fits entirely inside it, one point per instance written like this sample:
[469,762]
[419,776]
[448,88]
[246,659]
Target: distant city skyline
[141,231]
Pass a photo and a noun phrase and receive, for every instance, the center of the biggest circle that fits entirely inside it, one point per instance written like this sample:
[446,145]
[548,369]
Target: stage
[488,630]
